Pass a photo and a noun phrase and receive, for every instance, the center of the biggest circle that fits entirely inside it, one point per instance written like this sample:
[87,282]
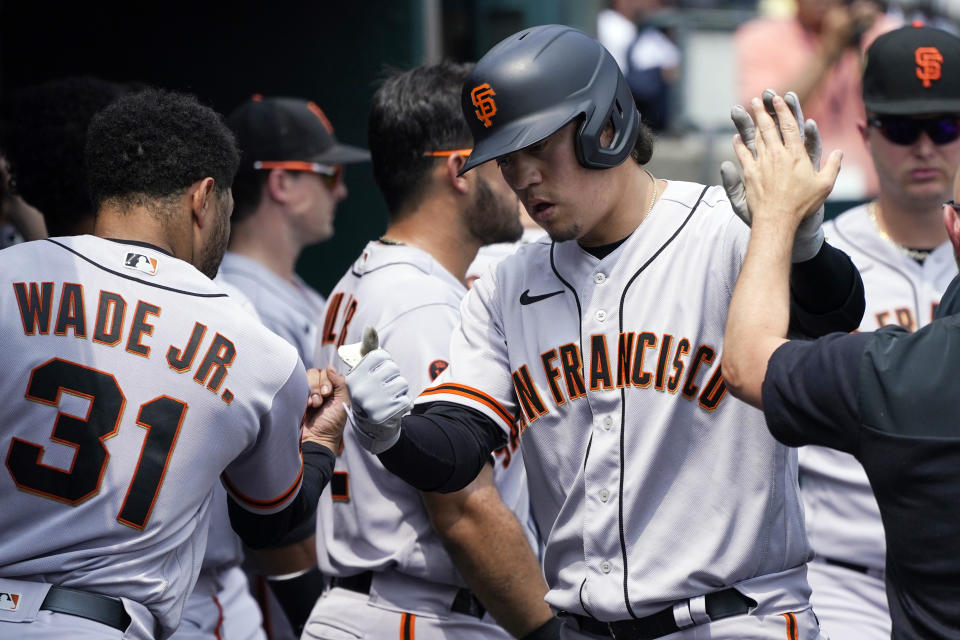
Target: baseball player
[664,505]
[288,185]
[131,391]
[434,566]
[899,243]
[287,188]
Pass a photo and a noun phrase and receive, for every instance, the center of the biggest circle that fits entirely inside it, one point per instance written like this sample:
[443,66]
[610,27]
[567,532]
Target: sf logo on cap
[928,64]
[482,96]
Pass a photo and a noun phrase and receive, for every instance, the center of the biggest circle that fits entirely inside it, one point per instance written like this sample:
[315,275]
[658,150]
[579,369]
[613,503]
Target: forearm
[259,531]
[492,553]
[759,312]
[826,294]
[442,449]
[806,83]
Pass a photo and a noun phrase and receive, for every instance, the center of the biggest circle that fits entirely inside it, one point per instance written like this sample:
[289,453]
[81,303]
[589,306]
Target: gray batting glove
[809,236]
[379,394]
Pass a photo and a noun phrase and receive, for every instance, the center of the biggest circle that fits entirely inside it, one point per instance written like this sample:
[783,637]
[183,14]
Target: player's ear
[203,201]
[951,220]
[278,185]
[452,167]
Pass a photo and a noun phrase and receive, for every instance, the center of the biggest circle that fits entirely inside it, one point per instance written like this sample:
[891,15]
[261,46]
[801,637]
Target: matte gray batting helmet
[536,81]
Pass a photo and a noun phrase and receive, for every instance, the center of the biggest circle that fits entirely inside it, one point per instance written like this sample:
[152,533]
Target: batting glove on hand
[380,395]
[809,236]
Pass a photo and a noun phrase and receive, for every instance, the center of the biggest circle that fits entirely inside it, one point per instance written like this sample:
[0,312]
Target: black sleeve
[826,294]
[811,391]
[443,447]
[261,531]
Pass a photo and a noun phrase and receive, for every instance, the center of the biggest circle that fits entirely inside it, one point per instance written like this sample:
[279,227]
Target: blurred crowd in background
[687,61]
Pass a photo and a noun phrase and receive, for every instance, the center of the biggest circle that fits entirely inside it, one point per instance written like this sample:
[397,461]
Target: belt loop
[681,615]
[698,610]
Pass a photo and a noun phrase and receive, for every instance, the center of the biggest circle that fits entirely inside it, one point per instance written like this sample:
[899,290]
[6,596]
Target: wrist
[333,444]
[549,630]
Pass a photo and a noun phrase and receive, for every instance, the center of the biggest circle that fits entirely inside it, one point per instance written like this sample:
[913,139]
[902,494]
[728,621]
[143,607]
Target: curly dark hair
[643,147]
[45,135]
[151,145]
[413,112]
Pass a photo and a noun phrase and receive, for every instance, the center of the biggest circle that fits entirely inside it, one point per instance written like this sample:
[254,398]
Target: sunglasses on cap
[446,154]
[331,174]
[904,131]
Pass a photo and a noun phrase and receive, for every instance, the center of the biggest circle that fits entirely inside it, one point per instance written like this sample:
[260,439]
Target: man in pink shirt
[818,55]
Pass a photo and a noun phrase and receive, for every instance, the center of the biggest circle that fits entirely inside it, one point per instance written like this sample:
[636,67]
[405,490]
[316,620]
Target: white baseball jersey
[132,383]
[221,606]
[650,483]
[492,254]
[843,520]
[289,309]
[377,521]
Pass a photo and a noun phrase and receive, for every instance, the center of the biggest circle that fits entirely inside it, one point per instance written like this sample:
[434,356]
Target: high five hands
[783,182]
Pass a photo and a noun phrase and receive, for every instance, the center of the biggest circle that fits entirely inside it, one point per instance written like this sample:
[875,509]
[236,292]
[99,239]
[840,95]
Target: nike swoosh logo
[526,298]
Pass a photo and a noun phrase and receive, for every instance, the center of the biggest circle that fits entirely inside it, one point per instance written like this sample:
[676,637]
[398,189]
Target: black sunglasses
[953,205]
[902,130]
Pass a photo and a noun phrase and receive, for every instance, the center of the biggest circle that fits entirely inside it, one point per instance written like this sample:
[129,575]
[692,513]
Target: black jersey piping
[576,299]
[149,284]
[895,268]
[623,400]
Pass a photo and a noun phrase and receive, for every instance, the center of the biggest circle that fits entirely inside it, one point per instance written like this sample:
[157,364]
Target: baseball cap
[288,130]
[912,70]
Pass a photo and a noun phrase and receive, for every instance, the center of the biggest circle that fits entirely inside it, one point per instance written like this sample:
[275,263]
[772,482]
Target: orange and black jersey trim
[259,530]
[473,394]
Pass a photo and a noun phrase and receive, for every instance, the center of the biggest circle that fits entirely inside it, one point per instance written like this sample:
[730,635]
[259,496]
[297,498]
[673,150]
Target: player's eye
[537,147]
[503,161]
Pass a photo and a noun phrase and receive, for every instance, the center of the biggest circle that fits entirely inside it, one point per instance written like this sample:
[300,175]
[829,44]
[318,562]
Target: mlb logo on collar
[9,601]
[140,262]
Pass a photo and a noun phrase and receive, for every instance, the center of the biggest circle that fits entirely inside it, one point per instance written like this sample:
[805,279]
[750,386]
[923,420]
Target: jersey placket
[602,468]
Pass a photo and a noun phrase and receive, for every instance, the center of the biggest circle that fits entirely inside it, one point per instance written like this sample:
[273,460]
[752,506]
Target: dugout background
[330,51]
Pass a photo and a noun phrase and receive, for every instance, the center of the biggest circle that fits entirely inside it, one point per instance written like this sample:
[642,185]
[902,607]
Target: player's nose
[521,172]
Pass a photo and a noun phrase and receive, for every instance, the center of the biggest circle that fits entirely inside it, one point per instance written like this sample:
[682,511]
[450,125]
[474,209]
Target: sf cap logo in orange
[928,64]
[482,96]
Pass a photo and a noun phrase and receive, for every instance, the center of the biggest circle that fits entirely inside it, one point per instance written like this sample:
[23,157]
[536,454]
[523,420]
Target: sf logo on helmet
[482,96]
[928,64]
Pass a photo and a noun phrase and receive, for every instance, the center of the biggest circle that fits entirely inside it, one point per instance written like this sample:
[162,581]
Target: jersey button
[600,315]
[604,495]
[600,278]
[607,423]
[605,567]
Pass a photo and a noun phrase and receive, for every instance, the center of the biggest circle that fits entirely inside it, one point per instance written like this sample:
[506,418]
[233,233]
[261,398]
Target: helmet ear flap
[624,118]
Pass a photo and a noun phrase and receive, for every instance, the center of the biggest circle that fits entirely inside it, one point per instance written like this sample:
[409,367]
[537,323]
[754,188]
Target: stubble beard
[493,219]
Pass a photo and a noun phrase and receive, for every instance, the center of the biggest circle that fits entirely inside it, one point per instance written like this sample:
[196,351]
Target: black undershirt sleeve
[826,294]
[262,531]
[443,447]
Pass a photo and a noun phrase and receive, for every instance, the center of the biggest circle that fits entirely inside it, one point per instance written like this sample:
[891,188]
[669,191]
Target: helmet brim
[521,133]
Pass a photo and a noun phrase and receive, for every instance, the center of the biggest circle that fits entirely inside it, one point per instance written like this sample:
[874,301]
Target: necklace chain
[913,254]
[653,196]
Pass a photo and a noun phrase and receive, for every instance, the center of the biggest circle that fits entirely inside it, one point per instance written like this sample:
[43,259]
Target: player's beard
[213,252]
[493,218]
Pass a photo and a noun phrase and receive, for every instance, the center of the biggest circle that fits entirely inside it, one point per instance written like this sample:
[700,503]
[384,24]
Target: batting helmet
[538,80]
